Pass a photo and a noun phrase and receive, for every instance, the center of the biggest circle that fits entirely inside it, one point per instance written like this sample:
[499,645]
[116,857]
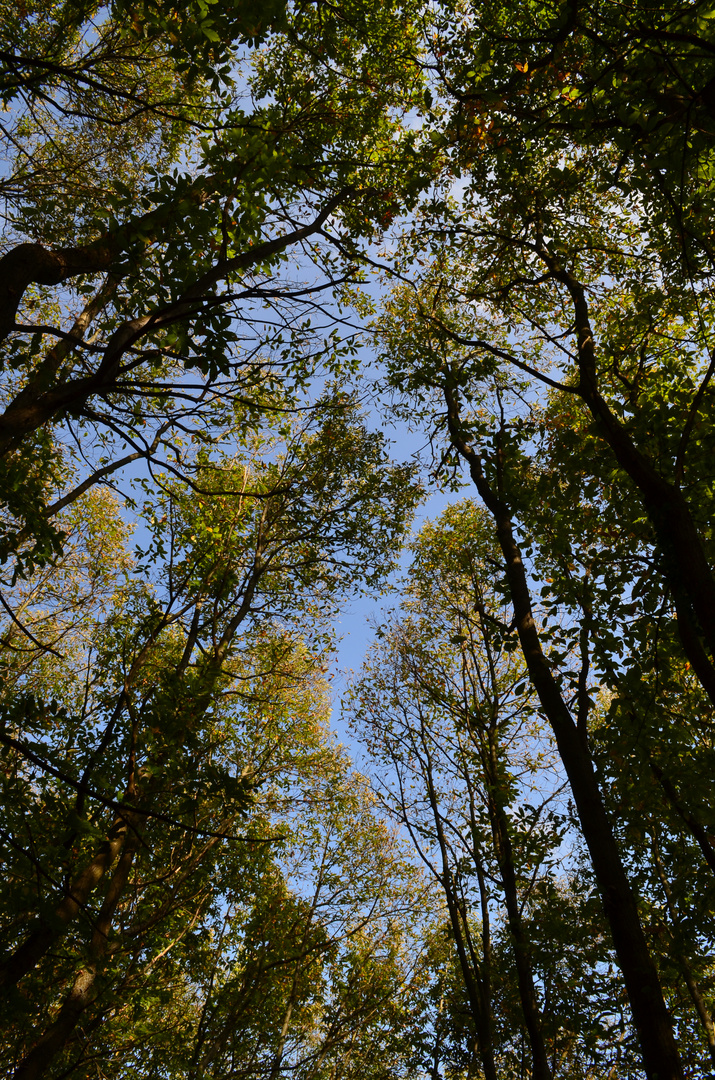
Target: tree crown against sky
[175,228]
[193,198]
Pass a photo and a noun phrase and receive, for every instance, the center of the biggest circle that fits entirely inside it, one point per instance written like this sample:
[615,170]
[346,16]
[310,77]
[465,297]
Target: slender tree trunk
[524,972]
[488,746]
[479,999]
[84,989]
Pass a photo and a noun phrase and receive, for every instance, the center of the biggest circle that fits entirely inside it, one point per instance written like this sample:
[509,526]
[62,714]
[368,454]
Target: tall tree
[148,287]
[446,711]
[566,296]
[490,426]
[144,762]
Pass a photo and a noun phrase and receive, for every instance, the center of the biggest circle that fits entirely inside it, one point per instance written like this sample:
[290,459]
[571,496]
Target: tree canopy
[239,241]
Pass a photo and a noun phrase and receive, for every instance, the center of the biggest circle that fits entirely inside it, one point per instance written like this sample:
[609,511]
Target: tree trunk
[45,935]
[524,972]
[687,570]
[477,988]
[84,988]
